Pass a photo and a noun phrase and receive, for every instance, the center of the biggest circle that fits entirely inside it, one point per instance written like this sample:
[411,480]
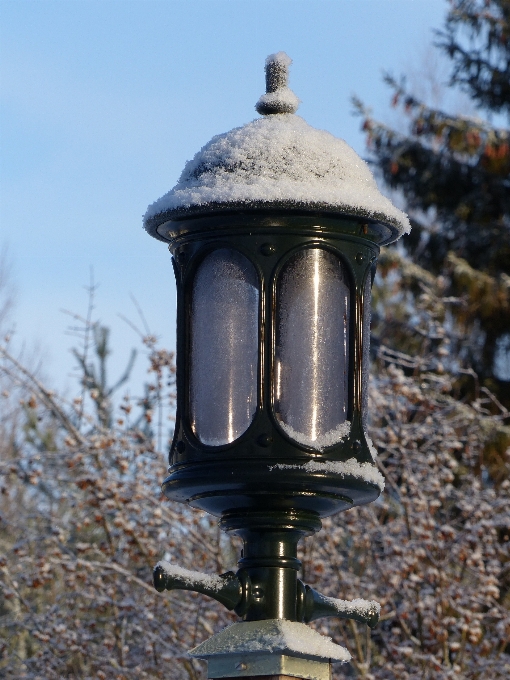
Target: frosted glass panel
[312,349]
[365,357]
[224,347]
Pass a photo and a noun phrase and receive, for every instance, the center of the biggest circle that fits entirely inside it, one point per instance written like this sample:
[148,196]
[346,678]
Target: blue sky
[102,103]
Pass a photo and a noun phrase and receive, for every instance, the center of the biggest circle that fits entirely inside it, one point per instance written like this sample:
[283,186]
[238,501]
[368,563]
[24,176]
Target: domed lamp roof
[278,162]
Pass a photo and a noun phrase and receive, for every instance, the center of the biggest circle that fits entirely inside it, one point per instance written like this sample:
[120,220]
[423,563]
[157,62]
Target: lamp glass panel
[311,369]
[224,347]
[365,356]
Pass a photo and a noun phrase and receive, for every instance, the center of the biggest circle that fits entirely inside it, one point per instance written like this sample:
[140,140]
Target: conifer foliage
[454,174]
[483,68]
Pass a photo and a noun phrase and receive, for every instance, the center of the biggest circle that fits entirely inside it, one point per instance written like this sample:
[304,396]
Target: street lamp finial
[279,98]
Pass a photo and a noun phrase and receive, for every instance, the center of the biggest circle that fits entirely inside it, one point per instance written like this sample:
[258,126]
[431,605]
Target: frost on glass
[365,354]
[224,347]
[312,349]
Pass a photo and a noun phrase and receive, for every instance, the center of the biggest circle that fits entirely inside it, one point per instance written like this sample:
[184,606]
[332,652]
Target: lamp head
[275,228]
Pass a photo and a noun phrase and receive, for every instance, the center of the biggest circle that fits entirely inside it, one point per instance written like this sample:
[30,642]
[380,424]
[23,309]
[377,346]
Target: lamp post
[274,229]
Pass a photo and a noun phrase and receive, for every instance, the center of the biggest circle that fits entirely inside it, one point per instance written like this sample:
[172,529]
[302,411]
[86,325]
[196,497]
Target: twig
[505,413]
[140,314]
[45,394]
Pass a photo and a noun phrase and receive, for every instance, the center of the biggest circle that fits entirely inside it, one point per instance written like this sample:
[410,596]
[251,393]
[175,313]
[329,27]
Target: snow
[371,447]
[322,441]
[280,58]
[192,578]
[283,100]
[365,471]
[358,606]
[272,635]
[278,161]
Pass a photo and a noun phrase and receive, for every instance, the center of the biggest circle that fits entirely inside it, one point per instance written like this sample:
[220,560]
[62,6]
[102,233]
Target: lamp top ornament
[276,162]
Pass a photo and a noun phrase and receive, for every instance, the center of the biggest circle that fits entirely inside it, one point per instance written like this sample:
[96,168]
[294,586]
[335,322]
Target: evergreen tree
[454,175]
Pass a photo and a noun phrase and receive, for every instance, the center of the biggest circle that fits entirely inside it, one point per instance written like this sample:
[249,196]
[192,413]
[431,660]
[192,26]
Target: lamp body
[246,442]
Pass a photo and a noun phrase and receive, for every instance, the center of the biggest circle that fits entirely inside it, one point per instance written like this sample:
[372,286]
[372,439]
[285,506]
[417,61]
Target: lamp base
[273,647]
[260,665]
[264,677]
[267,665]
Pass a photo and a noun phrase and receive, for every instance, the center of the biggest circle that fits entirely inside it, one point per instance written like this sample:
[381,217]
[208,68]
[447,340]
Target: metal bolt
[241,667]
[181,447]
[267,249]
[359,258]
[258,593]
[264,440]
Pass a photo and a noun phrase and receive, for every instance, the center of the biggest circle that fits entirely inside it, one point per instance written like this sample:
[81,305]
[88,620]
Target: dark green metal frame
[243,474]
[270,507]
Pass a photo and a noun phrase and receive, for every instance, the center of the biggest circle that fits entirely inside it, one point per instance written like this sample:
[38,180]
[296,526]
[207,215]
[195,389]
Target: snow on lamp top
[276,162]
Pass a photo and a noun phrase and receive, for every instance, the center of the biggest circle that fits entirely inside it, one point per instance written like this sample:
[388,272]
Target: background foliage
[453,173]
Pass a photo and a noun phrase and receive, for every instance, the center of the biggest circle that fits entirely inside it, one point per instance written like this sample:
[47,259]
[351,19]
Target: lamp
[274,229]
